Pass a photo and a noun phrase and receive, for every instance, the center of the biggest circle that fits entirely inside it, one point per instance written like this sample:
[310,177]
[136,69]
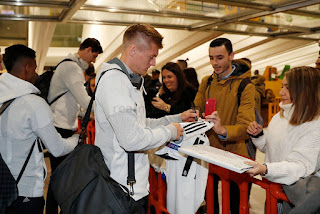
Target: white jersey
[186,179]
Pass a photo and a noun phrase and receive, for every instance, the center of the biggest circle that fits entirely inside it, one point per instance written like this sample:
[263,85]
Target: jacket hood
[13,87]
[242,68]
[77,59]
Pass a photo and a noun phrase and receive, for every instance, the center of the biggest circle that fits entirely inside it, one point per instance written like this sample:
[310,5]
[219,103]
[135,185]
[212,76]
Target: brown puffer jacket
[235,119]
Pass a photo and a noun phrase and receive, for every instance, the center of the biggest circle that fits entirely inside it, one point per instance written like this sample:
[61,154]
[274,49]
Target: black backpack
[44,80]
[8,185]
[82,184]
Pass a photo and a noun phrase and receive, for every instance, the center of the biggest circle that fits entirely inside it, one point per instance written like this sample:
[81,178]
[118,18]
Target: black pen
[194,110]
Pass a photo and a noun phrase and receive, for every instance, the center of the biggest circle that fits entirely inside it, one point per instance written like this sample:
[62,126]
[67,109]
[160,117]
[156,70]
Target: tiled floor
[257,197]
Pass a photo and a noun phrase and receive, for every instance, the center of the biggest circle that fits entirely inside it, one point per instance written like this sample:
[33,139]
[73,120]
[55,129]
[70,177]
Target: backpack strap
[241,88]
[209,83]
[55,99]
[2,109]
[26,161]
[5,105]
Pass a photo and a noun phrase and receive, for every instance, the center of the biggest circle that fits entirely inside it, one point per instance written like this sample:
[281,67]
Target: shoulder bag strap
[131,168]
[131,174]
[55,99]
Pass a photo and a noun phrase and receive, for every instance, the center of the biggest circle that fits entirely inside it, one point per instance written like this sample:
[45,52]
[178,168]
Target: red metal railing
[273,190]
[157,196]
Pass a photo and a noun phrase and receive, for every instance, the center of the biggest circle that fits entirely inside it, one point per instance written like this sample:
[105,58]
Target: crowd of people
[129,121]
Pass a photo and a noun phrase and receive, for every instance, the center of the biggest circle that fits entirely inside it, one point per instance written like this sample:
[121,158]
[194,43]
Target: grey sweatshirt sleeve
[42,126]
[166,120]
[133,137]
[53,141]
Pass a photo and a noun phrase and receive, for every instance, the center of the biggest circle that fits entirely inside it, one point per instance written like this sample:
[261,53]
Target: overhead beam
[122,23]
[183,46]
[161,13]
[74,6]
[28,18]
[263,34]
[254,13]
[313,14]
[264,24]
[239,3]
[43,3]
[254,45]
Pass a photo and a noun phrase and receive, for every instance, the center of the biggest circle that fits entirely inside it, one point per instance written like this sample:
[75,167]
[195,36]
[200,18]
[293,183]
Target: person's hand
[258,168]
[254,128]
[159,103]
[161,91]
[218,128]
[189,115]
[179,130]
[91,116]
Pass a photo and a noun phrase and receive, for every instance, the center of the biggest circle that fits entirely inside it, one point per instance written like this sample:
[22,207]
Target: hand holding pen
[194,111]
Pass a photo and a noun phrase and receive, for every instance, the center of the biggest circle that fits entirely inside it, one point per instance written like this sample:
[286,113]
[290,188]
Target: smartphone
[210,106]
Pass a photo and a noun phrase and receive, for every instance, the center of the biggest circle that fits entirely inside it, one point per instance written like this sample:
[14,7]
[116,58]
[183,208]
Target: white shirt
[69,76]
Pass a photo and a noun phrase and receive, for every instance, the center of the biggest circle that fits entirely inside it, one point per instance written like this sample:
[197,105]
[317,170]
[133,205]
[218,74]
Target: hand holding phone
[210,106]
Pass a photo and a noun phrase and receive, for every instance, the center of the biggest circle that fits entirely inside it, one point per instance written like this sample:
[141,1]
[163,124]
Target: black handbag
[82,184]
[8,185]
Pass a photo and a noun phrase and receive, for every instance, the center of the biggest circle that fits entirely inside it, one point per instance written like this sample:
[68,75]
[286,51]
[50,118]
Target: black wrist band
[264,174]
[260,134]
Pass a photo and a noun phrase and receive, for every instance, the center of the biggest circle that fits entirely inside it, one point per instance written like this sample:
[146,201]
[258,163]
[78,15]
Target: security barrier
[273,190]
[157,196]
[91,130]
[158,193]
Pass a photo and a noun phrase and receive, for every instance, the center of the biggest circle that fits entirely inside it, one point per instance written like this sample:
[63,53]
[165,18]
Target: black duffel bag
[82,184]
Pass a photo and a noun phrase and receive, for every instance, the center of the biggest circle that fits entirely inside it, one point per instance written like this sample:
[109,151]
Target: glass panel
[35,11]
[13,32]
[312,8]
[313,36]
[131,18]
[185,6]
[67,35]
[290,20]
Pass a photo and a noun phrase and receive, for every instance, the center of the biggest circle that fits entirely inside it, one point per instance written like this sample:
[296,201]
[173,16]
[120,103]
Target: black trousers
[26,205]
[51,203]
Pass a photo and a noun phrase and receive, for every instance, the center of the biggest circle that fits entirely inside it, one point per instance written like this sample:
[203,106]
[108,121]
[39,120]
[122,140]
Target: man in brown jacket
[230,119]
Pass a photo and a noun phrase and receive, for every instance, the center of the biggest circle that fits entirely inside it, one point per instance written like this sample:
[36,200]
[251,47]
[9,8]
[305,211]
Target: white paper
[217,157]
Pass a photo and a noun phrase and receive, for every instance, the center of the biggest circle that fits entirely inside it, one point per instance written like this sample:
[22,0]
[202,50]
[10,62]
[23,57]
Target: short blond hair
[142,31]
